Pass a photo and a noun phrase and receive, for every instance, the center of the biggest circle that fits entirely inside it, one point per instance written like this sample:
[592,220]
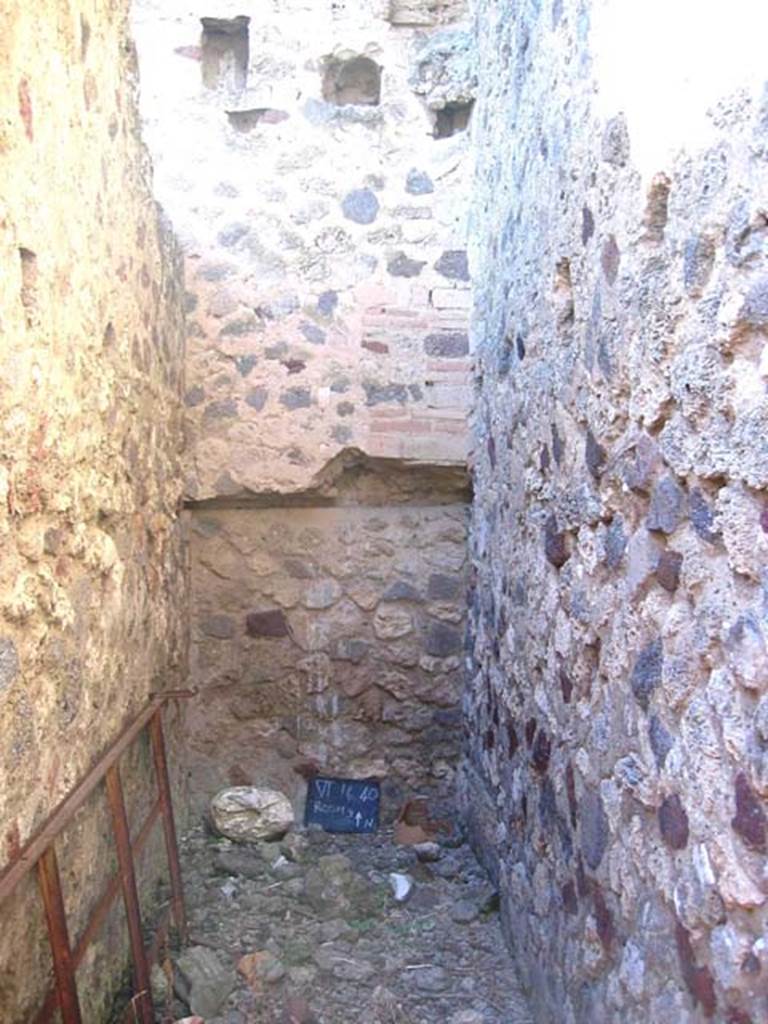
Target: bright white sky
[665,62]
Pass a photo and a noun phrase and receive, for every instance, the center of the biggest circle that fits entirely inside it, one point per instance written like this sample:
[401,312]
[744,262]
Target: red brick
[396,323]
[455,366]
[450,426]
[386,412]
[25,108]
[401,426]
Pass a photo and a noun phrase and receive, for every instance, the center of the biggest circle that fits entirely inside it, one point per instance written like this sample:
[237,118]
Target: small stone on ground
[326,942]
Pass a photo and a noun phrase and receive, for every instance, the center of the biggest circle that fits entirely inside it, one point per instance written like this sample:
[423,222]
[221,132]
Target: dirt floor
[308,931]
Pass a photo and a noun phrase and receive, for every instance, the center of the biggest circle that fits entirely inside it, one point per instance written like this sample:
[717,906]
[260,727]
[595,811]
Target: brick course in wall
[325,251]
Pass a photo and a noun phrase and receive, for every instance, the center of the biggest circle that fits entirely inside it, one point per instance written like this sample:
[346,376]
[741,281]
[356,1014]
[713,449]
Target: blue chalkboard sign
[343,805]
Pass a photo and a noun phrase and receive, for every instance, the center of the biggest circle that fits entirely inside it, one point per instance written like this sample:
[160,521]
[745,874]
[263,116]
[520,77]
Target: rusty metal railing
[40,854]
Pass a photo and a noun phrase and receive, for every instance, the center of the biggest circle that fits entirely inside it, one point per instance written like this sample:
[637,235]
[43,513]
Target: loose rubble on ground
[396,927]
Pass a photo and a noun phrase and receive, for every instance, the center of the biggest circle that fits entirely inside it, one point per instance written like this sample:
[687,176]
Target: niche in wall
[28,285]
[225,53]
[452,119]
[356,81]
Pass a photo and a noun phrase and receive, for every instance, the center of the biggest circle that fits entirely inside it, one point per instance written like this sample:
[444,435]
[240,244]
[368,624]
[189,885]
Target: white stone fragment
[402,886]
[249,814]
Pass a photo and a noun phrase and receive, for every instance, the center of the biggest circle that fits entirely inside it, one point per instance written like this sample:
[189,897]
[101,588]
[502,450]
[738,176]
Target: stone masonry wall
[313,159]
[329,636]
[617,746]
[324,243]
[91,574]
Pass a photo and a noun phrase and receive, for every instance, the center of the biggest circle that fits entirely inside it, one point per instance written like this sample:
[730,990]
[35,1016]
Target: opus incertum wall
[91,574]
[616,775]
[313,159]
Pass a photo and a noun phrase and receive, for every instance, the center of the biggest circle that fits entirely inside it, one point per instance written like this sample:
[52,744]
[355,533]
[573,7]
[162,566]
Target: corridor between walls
[422,430]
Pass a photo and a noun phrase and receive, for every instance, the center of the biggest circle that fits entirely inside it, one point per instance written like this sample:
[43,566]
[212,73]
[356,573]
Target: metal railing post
[169,826]
[58,936]
[143,996]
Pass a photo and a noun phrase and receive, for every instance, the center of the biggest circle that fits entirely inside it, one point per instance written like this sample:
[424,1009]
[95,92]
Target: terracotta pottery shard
[414,826]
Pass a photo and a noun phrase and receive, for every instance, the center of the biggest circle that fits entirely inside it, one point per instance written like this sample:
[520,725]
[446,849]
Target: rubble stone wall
[617,769]
[313,157]
[328,636]
[323,231]
[92,580]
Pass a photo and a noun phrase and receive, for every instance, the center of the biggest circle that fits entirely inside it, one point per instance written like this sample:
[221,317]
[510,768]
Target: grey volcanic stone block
[453,265]
[402,266]
[202,980]
[360,206]
[9,662]
[594,829]
[667,504]
[220,627]
[646,675]
[418,183]
[443,641]
[447,345]
[296,398]
[256,398]
[376,394]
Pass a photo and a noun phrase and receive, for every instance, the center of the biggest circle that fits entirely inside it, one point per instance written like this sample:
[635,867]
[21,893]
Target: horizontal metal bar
[167,695]
[60,818]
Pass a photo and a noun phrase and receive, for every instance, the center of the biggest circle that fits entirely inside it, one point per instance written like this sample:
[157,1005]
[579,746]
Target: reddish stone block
[566,686]
[749,820]
[673,822]
[698,980]
[606,930]
[610,259]
[270,625]
[25,109]
[512,739]
[570,788]
[570,900]
[668,570]
[193,52]
[542,751]
[736,1016]
[555,544]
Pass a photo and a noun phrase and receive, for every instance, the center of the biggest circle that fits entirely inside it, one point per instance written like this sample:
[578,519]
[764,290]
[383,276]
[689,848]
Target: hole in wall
[656,210]
[355,82]
[247,120]
[28,284]
[563,293]
[85,36]
[563,281]
[452,119]
[224,48]
[660,420]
